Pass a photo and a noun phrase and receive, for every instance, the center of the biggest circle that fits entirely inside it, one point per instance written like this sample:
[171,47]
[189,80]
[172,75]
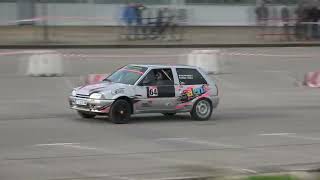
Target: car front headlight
[96,96]
[74,93]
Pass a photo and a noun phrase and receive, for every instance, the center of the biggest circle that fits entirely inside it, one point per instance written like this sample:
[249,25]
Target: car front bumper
[90,105]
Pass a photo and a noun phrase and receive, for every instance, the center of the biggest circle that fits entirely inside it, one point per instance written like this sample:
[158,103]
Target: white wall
[106,14]
[221,15]
[8,13]
[84,14]
[110,14]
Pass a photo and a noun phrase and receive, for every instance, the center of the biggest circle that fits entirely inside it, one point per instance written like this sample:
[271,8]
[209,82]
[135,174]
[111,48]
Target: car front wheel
[202,110]
[120,112]
[86,115]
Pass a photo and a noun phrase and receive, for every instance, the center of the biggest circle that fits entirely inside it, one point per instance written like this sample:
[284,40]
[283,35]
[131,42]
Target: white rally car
[133,89]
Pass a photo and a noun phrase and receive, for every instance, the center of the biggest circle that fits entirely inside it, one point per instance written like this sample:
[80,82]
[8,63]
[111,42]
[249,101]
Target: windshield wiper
[107,80]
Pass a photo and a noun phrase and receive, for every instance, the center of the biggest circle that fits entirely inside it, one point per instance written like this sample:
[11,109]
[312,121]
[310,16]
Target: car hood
[103,87]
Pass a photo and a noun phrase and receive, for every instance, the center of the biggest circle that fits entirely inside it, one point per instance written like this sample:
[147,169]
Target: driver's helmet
[159,76]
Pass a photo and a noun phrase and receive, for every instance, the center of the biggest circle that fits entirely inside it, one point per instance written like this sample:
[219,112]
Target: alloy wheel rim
[203,109]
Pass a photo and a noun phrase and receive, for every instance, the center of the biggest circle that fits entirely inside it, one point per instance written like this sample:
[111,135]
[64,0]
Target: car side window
[188,76]
[158,77]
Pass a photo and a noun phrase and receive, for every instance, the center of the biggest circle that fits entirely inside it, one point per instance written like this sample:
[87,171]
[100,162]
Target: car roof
[163,66]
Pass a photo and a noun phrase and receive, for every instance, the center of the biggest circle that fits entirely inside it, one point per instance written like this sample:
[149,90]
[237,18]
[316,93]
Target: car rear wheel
[86,115]
[202,110]
[169,114]
[120,112]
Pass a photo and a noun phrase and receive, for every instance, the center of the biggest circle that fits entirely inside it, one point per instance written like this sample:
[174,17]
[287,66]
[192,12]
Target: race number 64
[153,91]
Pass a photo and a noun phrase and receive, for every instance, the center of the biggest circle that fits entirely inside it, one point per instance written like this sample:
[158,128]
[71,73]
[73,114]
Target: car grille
[82,96]
[83,106]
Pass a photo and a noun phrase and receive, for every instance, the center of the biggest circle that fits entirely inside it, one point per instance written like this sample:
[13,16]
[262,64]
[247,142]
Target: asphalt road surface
[266,120]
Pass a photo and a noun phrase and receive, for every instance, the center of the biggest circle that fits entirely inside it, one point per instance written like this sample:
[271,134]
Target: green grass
[279,177]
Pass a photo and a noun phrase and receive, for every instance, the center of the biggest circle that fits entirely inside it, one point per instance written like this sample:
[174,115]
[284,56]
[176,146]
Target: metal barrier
[155,28]
[292,30]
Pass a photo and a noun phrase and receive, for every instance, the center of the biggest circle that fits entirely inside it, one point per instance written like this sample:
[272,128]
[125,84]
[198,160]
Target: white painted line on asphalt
[277,134]
[275,71]
[249,170]
[104,175]
[200,142]
[171,160]
[144,156]
[212,143]
[74,145]
[56,144]
[292,135]
[172,139]
[241,169]
[303,137]
[84,147]
[122,177]
[179,177]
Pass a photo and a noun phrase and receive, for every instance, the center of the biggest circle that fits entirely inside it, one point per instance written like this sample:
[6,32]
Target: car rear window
[190,76]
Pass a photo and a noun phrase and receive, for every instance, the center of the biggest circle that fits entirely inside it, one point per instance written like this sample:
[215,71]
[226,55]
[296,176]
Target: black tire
[120,112]
[169,114]
[202,110]
[86,115]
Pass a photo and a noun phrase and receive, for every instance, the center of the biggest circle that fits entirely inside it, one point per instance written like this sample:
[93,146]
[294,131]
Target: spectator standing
[318,25]
[285,17]
[158,29]
[314,18]
[262,15]
[166,23]
[139,28]
[306,23]
[172,24]
[129,16]
[301,28]
[148,22]
[181,20]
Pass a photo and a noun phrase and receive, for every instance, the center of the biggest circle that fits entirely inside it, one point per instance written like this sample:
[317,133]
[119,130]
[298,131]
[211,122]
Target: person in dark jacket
[314,18]
[139,28]
[285,17]
[262,16]
[301,28]
[158,28]
[129,16]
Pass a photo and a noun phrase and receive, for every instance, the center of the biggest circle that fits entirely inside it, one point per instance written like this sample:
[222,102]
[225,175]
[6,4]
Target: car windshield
[127,75]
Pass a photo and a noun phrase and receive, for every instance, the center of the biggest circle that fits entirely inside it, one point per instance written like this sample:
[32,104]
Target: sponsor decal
[185,76]
[119,91]
[105,109]
[134,71]
[183,105]
[193,92]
